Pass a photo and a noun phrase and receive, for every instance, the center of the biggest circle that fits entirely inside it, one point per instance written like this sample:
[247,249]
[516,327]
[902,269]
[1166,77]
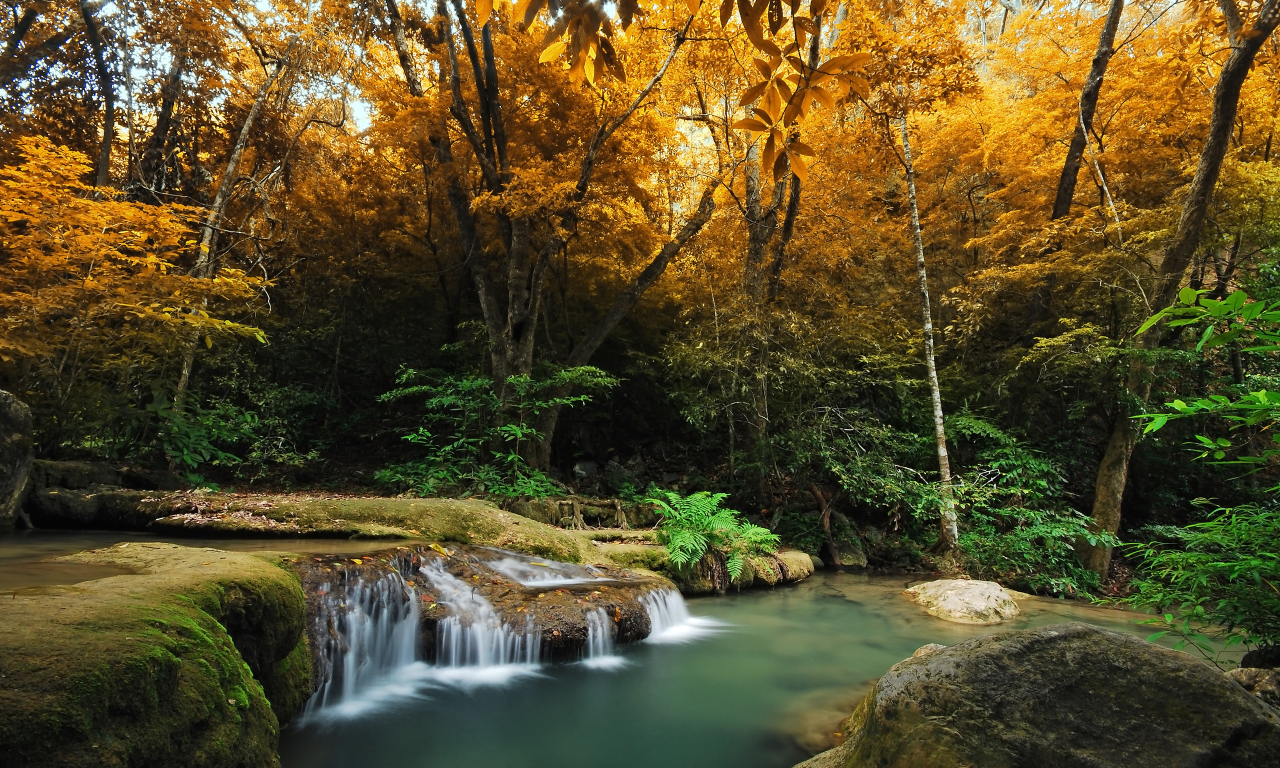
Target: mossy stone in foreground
[163,668]
[1062,696]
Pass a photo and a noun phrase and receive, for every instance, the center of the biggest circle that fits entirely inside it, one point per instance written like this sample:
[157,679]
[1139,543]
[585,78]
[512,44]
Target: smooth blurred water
[764,690]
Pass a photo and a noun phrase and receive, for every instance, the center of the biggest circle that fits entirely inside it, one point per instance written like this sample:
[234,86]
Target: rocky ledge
[1068,695]
[195,661]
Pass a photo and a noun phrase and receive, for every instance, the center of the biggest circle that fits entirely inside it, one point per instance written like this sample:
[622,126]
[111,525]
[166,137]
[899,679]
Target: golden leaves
[779,103]
[582,30]
[82,262]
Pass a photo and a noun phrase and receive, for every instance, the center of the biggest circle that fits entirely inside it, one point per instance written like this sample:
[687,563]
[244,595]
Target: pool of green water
[766,689]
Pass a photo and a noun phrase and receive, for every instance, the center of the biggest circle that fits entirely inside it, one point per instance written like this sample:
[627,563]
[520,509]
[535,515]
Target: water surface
[763,690]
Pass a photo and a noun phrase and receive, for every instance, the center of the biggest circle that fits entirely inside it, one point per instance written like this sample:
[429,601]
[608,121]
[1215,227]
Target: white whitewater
[598,653]
[670,621]
[474,636]
[369,635]
[532,572]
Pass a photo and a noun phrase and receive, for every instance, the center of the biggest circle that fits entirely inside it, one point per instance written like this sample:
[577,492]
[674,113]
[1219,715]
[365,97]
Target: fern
[693,524]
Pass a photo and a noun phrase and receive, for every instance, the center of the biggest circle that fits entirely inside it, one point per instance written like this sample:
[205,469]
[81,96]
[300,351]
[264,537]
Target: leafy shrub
[1223,574]
[1015,528]
[692,524]
[476,442]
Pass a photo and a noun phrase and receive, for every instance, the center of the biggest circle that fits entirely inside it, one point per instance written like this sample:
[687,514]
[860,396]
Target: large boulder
[16,455]
[965,602]
[1062,696]
[194,661]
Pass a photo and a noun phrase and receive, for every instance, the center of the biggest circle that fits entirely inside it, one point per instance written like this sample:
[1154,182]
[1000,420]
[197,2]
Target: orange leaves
[779,103]
[588,31]
[85,269]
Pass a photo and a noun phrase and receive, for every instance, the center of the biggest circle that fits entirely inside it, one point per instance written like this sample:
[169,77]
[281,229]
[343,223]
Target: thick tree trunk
[948,534]
[1113,471]
[105,84]
[540,451]
[1088,105]
[151,166]
[16,454]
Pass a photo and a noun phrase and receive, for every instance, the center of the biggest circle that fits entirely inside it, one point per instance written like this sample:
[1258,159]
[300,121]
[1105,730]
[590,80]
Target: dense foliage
[1223,573]
[693,245]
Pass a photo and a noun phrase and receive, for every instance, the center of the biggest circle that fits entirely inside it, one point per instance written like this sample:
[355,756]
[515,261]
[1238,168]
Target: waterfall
[367,633]
[474,635]
[598,652]
[669,619]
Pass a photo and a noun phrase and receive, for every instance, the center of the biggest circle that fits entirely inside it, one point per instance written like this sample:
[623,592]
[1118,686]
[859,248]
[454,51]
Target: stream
[758,679]
[752,680]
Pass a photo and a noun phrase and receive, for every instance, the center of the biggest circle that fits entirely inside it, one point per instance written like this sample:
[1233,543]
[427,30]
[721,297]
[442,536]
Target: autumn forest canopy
[883,272]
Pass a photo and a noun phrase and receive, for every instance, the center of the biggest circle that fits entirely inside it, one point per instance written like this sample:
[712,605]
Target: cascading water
[598,653]
[670,621]
[367,633]
[474,635]
[366,625]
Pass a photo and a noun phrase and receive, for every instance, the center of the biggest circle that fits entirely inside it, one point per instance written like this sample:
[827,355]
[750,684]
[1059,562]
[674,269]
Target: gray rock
[16,455]
[617,477]
[1263,683]
[74,475]
[1062,696]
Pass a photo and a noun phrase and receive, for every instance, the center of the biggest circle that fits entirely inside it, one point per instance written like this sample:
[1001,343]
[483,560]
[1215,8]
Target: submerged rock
[194,661]
[965,602]
[1065,695]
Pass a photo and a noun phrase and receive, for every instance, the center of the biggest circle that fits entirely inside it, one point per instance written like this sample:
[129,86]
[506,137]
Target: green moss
[449,520]
[149,669]
[653,558]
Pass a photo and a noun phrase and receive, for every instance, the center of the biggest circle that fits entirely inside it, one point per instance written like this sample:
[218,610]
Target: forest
[987,289]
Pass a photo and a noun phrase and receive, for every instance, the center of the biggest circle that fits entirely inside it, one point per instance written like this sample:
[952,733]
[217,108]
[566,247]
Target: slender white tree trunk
[947,533]
[209,230]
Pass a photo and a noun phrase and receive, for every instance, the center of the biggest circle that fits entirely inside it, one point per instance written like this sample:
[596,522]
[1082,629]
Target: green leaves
[693,524]
[476,433]
[1216,580]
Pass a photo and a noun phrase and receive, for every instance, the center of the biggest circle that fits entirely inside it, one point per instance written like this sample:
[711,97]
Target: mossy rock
[1064,695]
[710,574]
[464,521]
[651,557]
[172,666]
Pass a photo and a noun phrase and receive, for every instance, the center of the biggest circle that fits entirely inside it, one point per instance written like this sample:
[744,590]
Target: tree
[1088,105]
[1113,470]
[92,286]
[919,62]
[532,217]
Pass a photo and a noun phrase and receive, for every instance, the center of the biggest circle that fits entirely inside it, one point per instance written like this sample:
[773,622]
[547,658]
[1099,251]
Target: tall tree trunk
[948,535]
[1113,471]
[1088,105]
[107,87]
[512,332]
[205,261]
